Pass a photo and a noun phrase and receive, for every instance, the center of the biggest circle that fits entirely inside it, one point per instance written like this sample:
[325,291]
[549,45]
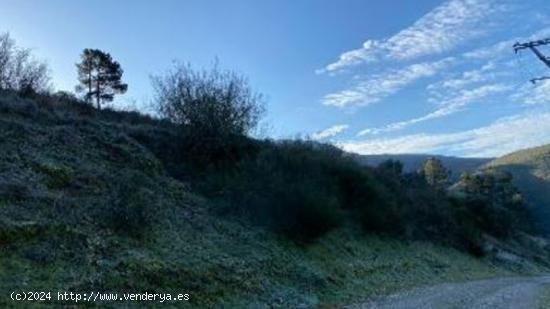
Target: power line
[532,45]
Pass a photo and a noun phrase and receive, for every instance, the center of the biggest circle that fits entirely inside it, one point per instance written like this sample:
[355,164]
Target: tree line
[213,106]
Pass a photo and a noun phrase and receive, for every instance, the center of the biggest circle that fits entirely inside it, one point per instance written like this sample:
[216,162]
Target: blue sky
[370,76]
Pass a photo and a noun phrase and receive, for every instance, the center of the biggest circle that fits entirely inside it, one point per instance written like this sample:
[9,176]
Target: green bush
[303,189]
[58,175]
[288,187]
[495,202]
[129,203]
[306,213]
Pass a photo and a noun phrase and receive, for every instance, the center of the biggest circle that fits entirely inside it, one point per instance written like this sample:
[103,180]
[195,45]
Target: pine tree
[435,173]
[100,76]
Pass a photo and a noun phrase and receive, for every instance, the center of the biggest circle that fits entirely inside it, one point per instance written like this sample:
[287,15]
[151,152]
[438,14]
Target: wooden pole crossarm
[533,47]
[519,46]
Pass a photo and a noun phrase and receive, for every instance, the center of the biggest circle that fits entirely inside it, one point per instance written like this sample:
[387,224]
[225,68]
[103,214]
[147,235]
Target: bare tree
[211,105]
[19,70]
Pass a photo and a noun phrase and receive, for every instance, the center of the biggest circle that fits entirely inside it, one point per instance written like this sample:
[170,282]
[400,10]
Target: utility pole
[533,47]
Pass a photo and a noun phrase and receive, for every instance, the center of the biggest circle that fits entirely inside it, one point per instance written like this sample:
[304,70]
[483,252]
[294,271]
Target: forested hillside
[531,171]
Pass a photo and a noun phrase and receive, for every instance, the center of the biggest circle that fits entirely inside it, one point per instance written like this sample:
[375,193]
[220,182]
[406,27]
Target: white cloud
[353,57]
[492,51]
[376,87]
[442,29]
[502,136]
[482,74]
[505,47]
[537,94]
[379,86]
[330,132]
[449,106]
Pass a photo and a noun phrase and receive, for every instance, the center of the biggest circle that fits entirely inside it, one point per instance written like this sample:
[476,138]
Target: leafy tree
[494,200]
[435,173]
[100,76]
[19,71]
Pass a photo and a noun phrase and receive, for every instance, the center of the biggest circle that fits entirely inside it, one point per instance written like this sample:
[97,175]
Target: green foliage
[309,213]
[129,204]
[15,231]
[531,171]
[419,210]
[289,186]
[100,76]
[391,166]
[58,175]
[121,225]
[435,173]
[494,202]
[298,188]
[414,162]
[302,189]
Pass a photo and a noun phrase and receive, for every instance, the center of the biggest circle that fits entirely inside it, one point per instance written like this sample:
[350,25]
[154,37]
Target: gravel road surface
[513,293]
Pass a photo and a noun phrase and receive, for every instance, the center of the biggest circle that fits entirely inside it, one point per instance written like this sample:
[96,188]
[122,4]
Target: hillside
[412,162]
[86,206]
[531,171]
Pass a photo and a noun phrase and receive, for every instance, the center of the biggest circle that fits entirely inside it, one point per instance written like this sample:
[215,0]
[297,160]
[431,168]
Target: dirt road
[516,293]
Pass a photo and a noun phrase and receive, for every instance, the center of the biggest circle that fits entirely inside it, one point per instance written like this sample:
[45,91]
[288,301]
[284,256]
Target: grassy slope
[531,171]
[544,301]
[61,171]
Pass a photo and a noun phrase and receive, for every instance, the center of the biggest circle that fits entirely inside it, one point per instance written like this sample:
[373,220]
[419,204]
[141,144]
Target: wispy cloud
[447,107]
[442,29]
[432,50]
[379,86]
[500,137]
[330,132]
[491,51]
[466,78]
[504,47]
[530,94]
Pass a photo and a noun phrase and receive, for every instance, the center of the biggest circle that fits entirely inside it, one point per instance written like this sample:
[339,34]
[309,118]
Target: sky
[372,77]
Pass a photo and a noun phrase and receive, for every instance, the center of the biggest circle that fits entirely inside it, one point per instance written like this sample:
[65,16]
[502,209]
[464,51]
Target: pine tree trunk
[89,85]
[97,97]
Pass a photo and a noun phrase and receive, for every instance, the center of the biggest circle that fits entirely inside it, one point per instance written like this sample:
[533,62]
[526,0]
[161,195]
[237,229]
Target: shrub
[127,210]
[58,175]
[300,188]
[214,109]
[308,213]
[287,187]
[495,202]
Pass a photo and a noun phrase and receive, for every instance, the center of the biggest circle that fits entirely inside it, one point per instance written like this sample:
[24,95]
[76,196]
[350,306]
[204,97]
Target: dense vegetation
[303,189]
[531,171]
[88,202]
[102,199]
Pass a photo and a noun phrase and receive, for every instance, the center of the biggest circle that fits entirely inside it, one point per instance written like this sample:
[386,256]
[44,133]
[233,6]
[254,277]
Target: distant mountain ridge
[412,162]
